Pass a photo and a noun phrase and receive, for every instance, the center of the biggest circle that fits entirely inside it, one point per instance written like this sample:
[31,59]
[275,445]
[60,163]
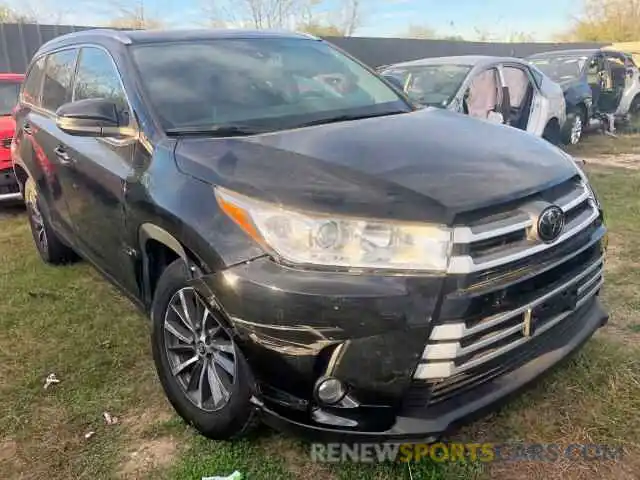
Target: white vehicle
[498,89]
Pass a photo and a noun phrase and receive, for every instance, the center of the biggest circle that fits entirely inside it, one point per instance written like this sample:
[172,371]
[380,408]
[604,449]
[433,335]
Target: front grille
[499,240]
[6,142]
[516,288]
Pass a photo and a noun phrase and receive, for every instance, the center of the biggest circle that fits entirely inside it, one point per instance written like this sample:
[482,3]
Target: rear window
[8,97]
[59,70]
[33,83]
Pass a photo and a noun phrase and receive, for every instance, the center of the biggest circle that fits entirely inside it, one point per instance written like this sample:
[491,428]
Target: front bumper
[9,188]
[370,332]
[415,424]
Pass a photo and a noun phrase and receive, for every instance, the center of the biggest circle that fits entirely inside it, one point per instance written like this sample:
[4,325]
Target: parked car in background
[596,83]
[504,90]
[312,249]
[9,89]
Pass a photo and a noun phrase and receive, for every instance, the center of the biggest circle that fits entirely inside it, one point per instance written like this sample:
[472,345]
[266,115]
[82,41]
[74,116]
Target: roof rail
[117,35]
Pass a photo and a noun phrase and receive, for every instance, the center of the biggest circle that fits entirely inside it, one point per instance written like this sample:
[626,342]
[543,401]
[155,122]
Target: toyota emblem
[550,223]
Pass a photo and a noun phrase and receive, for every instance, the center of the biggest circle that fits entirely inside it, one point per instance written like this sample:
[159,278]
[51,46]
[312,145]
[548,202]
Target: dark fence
[20,42]
[384,51]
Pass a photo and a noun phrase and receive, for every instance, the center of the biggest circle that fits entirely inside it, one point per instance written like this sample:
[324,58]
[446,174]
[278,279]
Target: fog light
[330,390]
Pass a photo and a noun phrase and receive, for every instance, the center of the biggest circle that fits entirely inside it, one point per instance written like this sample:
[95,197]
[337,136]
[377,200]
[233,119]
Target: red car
[9,90]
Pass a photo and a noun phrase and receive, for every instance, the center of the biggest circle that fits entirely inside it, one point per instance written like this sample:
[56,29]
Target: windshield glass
[265,83]
[433,85]
[8,97]
[560,68]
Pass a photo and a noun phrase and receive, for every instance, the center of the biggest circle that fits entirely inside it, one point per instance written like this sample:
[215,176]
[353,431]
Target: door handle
[26,128]
[63,156]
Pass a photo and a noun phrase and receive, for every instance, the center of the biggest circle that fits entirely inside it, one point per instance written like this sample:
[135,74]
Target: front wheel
[202,371]
[573,128]
[634,112]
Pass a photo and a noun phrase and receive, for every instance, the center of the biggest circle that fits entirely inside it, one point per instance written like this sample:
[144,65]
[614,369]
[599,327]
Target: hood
[428,165]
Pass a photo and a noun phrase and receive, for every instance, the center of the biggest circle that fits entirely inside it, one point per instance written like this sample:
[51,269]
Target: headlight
[332,240]
[583,175]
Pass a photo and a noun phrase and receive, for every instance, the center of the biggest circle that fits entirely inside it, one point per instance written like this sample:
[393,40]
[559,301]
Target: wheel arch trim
[150,231]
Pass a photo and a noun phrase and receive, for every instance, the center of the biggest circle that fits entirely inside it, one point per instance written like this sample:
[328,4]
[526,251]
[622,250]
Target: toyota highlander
[312,250]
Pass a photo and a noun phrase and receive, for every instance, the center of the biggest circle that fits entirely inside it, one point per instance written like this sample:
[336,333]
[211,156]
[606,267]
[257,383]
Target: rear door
[98,169]
[59,68]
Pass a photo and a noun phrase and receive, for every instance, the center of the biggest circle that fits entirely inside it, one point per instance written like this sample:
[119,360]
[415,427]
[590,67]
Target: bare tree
[135,15]
[271,14]
[11,15]
[320,30]
[607,21]
[420,31]
[342,17]
[353,16]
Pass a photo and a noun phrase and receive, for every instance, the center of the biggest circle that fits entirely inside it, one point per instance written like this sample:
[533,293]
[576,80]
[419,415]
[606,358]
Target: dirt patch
[296,459]
[149,455]
[563,470]
[146,454]
[629,161]
[8,450]
[138,423]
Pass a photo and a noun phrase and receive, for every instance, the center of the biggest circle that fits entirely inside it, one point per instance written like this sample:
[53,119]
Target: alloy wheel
[200,351]
[576,130]
[38,225]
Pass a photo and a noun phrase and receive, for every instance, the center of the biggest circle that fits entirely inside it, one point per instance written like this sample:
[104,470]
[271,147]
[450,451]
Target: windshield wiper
[226,130]
[347,118]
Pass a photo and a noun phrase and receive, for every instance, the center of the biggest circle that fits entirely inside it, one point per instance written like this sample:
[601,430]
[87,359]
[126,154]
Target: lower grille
[423,393]
[8,182]
[458,347]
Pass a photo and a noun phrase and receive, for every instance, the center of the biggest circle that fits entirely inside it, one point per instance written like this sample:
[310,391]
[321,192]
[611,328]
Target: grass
[70,322]
[599,144]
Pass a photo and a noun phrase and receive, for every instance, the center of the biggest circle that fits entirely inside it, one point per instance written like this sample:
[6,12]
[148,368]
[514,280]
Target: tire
[190,391]
[51,249]
[573,127]
[552,132]
[634,112]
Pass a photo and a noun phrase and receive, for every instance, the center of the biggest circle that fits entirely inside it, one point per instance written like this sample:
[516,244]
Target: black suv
[311,250]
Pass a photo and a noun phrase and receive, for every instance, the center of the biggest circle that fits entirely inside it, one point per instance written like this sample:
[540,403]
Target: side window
[59,69]
[537,75]
[482,96]
[518,82]
[594,68]
[97,77]
[33,83]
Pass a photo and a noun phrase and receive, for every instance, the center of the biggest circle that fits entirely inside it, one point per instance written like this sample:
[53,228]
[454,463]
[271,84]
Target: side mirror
[92,117]
[394,81]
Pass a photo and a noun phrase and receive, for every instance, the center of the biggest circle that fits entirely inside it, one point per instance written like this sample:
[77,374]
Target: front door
[527,105]
[483,98]
[98,172]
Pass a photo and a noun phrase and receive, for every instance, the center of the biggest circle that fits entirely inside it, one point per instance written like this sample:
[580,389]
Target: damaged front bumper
[369,331]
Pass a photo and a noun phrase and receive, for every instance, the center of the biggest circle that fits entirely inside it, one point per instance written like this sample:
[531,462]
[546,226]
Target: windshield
[433,85]
[8,97]
[560,68]
[264,83]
